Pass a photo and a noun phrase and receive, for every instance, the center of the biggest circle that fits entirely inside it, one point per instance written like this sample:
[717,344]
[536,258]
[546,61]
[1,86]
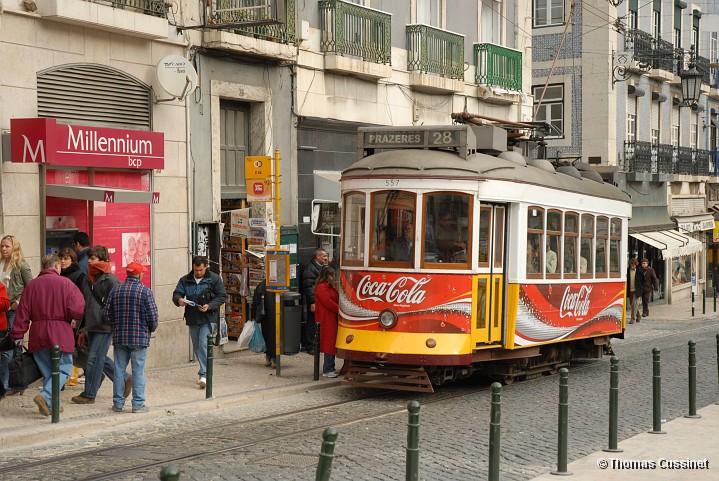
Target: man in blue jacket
[201,293]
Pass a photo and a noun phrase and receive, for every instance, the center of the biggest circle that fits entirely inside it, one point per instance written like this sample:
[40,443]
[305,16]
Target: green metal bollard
[324,467]
[657,394]
[563,423]
[55,356]
[210,362]
[316,350]
[613,406]
[692,303]
[412,471]
[170,473]
[704,301]
[495,425]
[715,298]
[692,381]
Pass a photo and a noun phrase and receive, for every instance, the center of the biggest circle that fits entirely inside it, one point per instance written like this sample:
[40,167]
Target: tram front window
[393,227]
[353,230]
[446,233]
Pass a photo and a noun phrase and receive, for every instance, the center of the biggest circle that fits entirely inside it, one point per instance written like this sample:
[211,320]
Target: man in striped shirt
[132,311]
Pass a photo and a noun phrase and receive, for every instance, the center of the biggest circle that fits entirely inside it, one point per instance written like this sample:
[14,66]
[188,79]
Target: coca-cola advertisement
[554,312]
[423,302]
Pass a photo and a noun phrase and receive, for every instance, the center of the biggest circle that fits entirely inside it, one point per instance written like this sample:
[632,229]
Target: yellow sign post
[258,178]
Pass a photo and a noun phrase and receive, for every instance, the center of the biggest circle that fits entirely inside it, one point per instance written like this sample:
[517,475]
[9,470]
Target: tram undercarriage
[547,361]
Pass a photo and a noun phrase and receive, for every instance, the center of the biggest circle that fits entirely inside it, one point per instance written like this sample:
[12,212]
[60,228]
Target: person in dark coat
[201,292]
[650,283]
[52,304]
[263,312]
[326,309]
[635,287]
[309,276]
[71,270]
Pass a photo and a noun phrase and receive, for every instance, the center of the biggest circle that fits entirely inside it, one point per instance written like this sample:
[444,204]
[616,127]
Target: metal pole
[278,327]
[657,394]
[613,406]
[495,431]
[692,381]
[324,467]
[412,470]
[55,356]
[563,423]
[316,350]
[210,362]
[704,301]
[692,303]
[715,298]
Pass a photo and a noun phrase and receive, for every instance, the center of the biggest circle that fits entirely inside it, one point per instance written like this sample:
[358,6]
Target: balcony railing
[498,66]
[641,156]
[349,29]
[156,8]
[431,50]
[238,11]
[704,69]
[652,52]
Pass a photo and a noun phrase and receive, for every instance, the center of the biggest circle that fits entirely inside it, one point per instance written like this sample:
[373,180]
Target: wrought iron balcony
[231,12]
[156,8]
[665,158]
[704,69]
[350,29]
[701,162]
[637,156]
[685,161]
[432,50]
[498,66]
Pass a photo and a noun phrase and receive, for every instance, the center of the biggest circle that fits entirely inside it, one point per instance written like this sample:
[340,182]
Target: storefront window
[446,231]
[682,270]
[535,244]
[354,229]
[393,212]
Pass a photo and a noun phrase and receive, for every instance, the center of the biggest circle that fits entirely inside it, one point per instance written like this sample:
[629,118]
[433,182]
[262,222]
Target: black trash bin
[291,322]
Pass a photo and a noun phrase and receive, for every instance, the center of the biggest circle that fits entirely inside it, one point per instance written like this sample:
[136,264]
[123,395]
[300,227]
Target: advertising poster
[136,248]
[240,223]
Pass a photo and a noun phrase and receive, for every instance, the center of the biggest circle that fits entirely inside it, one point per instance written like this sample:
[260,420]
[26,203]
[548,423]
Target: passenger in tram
[532,258]
[447,239]
[583,265]
[403,247]
[379,251]
[550,259]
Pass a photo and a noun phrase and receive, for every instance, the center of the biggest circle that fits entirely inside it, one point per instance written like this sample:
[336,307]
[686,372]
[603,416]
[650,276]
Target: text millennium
[91,141]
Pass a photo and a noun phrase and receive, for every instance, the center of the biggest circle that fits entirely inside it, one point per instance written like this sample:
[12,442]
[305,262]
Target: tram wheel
[507,380]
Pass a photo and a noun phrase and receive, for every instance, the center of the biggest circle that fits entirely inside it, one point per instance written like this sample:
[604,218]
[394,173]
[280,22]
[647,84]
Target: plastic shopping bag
[243,342]
[257,343]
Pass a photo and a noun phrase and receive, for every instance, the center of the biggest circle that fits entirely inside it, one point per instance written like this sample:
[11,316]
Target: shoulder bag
[23,369]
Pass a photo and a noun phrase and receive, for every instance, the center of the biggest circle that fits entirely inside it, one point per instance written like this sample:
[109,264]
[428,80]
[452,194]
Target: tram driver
[403,247]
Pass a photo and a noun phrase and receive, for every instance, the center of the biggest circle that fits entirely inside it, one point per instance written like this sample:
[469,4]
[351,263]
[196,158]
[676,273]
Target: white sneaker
[202,383]
[330,374]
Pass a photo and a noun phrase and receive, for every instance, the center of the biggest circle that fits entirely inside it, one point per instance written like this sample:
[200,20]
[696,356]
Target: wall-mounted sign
[42,140]
[259,190]
[240,223]
[258,167]
[706,224]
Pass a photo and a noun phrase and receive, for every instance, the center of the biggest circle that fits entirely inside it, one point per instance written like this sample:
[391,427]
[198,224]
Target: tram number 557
[391,183]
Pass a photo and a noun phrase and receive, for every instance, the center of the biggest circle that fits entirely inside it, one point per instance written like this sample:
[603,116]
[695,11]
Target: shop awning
[650,218]
[327,185]
[695,223]
[102,194]
[670,242]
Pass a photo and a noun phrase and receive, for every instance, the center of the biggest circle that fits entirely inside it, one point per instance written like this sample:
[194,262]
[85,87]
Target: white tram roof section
[435,164]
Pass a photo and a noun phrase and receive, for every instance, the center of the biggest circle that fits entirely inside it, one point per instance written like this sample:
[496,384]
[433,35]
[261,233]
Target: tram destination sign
[429,137]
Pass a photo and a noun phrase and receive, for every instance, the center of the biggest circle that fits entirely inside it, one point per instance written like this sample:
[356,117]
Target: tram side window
[553,249]
[586,254]
[535,244]
[602,247]
[571,237]
[485,214]
[615,244]
[446,230]
[393,227]
[354,228]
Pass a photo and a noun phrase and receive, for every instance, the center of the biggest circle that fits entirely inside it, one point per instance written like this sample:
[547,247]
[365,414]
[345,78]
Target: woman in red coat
[326,309]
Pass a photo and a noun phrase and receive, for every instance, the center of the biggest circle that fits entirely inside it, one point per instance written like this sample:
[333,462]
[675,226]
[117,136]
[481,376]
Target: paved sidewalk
[239,377]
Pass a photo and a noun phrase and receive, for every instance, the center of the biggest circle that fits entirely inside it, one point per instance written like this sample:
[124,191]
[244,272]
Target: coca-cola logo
[575,304]
[403,290]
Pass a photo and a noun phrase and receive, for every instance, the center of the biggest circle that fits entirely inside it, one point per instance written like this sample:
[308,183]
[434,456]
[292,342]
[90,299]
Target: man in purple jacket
[51,303]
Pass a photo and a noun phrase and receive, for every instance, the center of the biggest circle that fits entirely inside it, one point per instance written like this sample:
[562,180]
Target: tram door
[489,283]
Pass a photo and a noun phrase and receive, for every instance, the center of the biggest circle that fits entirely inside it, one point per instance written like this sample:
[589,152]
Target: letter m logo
[38,152]
[108,196]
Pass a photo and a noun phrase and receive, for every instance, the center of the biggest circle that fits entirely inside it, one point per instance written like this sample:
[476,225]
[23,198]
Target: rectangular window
[553,251]
[602,243]
[354,229]
[631,127]
[429,12]
[446,230]
[551,109]
[615,247]
[657,21]
[548,13]
[234,146]
[571,238]
[535,244]
[491,23]
[498,247]
[693,135]
[586,247]
[485,215]
[393,212]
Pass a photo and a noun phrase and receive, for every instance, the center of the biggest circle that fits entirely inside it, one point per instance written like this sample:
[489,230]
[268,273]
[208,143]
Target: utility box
[291,322]
[289,237]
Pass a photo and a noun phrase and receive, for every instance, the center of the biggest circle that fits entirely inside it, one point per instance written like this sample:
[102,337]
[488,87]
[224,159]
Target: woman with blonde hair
[15,274]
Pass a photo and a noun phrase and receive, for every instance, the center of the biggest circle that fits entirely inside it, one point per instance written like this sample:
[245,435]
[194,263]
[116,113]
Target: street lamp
[691,84]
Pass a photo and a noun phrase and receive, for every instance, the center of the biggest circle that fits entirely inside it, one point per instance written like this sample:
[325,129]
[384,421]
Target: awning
[102,194]
[695,223]
[327,185]
[670,242]
[650,218]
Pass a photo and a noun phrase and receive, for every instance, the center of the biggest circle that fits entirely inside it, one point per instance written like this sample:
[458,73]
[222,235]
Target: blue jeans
[198,334]
[44,363]
[5,358]
[99,344]
[329,364]
[124,355]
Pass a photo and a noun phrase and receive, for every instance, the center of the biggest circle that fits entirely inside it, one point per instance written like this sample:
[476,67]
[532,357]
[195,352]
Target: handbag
[6,343]
[79,357]
[23,369]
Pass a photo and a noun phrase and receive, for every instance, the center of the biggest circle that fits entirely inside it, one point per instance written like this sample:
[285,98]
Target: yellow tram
[458,255]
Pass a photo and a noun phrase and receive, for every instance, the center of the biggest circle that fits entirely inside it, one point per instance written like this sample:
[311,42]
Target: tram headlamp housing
[388,319]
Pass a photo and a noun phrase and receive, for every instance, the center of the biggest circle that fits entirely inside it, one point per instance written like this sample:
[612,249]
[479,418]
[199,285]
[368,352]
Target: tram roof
[419,163]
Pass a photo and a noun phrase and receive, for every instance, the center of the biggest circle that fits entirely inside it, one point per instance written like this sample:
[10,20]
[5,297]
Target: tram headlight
[388,319]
